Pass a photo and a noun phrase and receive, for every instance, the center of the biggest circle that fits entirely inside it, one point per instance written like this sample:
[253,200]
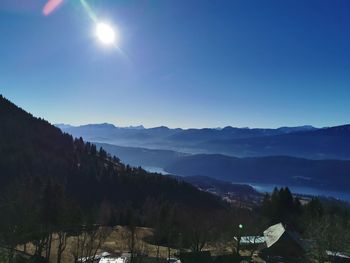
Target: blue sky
[180,63]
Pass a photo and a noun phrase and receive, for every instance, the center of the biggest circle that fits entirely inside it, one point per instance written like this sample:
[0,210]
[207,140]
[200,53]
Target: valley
[304,176]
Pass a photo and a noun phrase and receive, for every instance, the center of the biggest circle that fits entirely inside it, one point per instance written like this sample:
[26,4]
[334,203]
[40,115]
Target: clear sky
[180,63]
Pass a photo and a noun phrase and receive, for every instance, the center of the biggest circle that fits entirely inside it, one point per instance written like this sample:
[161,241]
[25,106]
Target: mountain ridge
[300,127]
[278,170]
[302,141]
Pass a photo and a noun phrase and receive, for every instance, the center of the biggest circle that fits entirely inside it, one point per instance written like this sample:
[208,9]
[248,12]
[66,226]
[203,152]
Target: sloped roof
[273,234]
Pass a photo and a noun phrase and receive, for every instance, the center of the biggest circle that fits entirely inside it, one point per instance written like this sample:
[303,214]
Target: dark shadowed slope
[32,150]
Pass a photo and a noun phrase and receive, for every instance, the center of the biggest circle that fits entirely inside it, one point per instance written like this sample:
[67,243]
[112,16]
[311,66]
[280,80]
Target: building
[281,244]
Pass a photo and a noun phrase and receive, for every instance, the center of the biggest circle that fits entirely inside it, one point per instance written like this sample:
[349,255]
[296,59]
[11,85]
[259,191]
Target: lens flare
[88,10]
[51,6]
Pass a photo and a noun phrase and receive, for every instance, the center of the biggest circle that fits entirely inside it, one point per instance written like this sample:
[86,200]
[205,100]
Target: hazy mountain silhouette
[304,141]
[326,143]
[279,170]
[137,156]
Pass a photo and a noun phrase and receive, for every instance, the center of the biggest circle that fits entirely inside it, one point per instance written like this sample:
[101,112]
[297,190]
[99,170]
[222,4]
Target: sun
[106,33]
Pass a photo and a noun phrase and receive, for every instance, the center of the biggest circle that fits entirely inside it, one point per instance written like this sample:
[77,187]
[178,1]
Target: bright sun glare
[106,34]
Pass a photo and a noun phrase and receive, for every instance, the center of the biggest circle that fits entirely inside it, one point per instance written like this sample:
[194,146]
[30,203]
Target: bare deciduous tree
[90,241]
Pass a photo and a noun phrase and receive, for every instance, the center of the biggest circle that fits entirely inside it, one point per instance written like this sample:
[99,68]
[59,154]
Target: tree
[53,215]
[102,153]
[328,233]
[197,229]
[70,221]
[90,241]
[166,230]
[282,207]
[18,218]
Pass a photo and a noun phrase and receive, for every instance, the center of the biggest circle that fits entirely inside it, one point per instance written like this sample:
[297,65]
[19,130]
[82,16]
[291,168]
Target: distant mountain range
[303,141]
[136,156]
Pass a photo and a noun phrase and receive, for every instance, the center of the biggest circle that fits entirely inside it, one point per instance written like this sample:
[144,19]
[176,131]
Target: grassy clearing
[116,243]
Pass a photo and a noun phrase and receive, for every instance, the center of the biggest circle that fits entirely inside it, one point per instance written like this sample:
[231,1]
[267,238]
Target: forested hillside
[33,149]
[52,183]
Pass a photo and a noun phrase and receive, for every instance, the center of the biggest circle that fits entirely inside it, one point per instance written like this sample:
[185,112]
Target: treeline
[38,213]
[53,186]
[99,193]
[324,224]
